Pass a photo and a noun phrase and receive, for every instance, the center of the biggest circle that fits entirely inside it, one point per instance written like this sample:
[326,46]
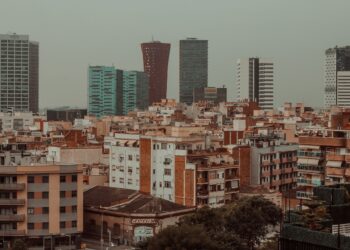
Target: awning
[334,164]
[308,147]
[307,161]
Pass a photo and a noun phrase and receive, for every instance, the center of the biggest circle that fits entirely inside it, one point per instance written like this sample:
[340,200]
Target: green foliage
[19,244]
[238,226]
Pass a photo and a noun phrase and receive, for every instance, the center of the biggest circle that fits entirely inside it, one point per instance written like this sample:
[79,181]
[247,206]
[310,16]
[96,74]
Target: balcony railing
[303,195]
[302,153]
[12,186]
[202,193]
[12,202]
[309,182]
[12,232]
[202,180]
[231,176]
[12,217]
[303,167]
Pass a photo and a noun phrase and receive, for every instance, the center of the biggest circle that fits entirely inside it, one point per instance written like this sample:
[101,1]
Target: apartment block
[210,94]
[323,159]
[42,204]
[184,170]
[19,74]
[255,81]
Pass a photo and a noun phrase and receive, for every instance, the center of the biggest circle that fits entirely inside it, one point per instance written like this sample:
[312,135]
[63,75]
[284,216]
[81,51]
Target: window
[30,195]
[30,179]
[30,226]
[129,170]
[62,178]
[137,158]
[163,146]
[74,193]
[130,157]
[45,210]
[167,171]
[74,223]
[45,179]
[45,195]
[74,209]
[113,178]
[62,210]
[74,178]
[30,210]
[129,181]
[121,180]
[62,224]
[45,225]
[167,184]
[62,194]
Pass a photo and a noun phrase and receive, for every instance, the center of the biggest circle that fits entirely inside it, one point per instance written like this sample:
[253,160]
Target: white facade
[255,81]
[330,78]
[343,88]
[16,121]
[124,162]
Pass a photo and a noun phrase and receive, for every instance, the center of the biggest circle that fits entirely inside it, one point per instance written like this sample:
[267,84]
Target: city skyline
[63,62]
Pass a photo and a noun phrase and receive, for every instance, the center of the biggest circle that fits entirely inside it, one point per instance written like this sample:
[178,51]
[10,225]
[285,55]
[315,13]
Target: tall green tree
[251,217]
[19,244]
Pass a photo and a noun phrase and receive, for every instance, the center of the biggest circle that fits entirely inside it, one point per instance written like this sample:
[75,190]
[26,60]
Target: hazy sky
[76,33]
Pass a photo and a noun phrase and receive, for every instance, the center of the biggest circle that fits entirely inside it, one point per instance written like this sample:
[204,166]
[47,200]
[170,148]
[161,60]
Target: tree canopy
[241,225]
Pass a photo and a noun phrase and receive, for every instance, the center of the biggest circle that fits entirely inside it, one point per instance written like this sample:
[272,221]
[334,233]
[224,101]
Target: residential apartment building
[42,204]
[255,81]
[135,91]
[186,170]
[102,90]
[19,73]
[337,60]
[65,114]
[193,67]
[323,159]
[210,94]
[273,162]
[155,64]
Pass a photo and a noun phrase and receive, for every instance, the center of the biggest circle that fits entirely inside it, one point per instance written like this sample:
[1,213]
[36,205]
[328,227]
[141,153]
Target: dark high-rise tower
[193,67]
[155,64]
[19,75]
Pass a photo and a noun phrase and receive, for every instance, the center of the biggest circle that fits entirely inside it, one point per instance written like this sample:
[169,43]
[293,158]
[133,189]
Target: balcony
[266,173]
[335,171]
[276,161]
[265,163]
[310,168]
[12,232]
[322,141]
[231,190]
[202,181]
[304,195]
[309,182]
[202,194]
[11,217]
[12,186]
[276,171]
[347,172]
[334,157]
[276,183]
[231,176]
[12,202]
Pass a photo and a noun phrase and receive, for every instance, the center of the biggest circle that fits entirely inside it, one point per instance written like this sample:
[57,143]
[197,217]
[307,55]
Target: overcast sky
[75,33]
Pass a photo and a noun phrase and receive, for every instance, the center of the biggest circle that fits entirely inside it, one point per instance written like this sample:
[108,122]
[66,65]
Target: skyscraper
[102,92]
[337,60]
[19,74]
[155,64]
[193,67]
[135,91]
[255,81]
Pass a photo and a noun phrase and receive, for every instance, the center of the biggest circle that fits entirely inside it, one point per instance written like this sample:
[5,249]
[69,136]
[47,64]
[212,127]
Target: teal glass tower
[102,91]
[135,91]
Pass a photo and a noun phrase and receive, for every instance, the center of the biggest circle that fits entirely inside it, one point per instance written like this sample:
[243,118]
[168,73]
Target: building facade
[193,67]
[255,81]
[42,204]
[65,114]
[19,74]
[210,94]
[102,90]
[135,91]
[155,64]
[337,60]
